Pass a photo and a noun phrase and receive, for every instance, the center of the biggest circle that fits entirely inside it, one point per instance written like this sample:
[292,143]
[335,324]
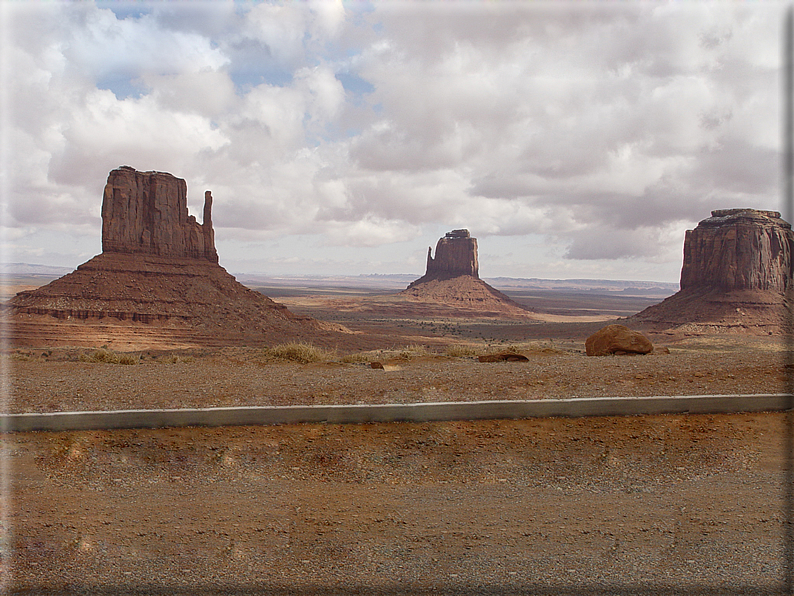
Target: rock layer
[736,271]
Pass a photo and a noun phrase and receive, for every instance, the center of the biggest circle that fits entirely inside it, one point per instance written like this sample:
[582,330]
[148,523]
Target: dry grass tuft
[302,353]
[362,357]
[106,356]
[461,351]
[406,353]
[411,352]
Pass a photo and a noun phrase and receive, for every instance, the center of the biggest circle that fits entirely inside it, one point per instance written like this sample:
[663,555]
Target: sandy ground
[45,381]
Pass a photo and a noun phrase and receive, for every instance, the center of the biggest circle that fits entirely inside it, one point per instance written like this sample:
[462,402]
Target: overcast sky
[573,140]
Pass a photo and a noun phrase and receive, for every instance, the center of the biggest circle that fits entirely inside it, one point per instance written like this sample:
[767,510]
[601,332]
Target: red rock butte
[453,279]
[736,272]
[156,284]
[146,213]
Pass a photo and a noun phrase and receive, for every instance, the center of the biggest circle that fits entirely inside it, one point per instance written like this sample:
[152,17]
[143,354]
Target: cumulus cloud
[607,129]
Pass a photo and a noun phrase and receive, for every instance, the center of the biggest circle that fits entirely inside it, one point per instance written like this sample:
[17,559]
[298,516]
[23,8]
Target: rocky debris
[158,269]
[385,367]
[503,357]
[618,340]
[452,278]
[146,213]
[480,506]
[737,267]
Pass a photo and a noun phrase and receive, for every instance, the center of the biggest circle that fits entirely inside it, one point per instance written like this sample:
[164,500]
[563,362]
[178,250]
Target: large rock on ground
[617,339]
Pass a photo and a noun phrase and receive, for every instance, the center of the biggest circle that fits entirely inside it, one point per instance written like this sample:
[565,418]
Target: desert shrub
[106,356]
[128,359]
[526,348]
[406,353]
[300,352]
[460,351]
[21,356]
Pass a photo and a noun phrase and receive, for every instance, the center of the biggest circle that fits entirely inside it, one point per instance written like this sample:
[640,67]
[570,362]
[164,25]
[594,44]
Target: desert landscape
[652,504]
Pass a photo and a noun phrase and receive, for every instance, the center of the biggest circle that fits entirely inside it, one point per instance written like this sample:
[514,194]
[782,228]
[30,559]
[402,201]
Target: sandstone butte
[453,279]
[736,271]
[157,282]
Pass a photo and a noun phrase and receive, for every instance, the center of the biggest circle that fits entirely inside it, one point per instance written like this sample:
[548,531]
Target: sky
[341,138]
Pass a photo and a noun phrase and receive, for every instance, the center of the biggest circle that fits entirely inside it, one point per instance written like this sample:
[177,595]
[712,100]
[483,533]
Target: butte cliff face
[453,279]
[456,254]
[737,268]
[738,249]
[157,282]
[146,213]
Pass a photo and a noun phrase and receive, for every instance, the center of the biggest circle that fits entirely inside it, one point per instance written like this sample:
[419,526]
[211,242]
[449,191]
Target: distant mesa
[156,283]
[736,271]
[453,279]
[456,255]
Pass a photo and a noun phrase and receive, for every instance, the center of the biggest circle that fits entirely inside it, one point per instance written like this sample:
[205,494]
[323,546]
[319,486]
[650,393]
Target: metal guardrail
[416,412]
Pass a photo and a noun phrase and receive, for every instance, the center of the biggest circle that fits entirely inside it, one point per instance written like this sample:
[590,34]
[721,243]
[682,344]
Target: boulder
[617,339]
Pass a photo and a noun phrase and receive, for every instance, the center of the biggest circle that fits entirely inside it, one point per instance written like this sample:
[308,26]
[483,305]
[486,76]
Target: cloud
[607,129]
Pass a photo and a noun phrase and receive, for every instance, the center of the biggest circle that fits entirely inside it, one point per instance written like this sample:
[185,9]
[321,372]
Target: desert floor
[640,505]
[654,504]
